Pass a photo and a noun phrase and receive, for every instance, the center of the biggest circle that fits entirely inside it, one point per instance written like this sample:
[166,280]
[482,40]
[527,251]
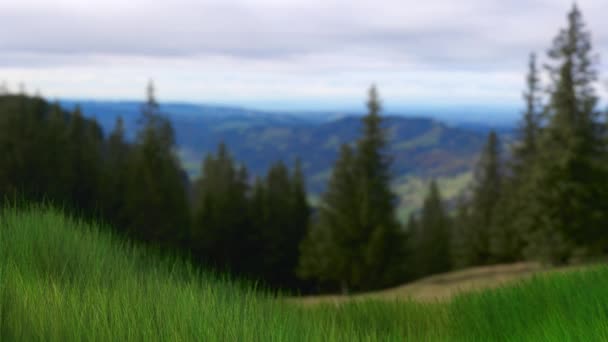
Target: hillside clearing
[442,287]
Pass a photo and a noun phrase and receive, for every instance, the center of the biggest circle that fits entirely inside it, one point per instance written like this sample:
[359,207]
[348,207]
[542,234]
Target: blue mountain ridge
[420,147]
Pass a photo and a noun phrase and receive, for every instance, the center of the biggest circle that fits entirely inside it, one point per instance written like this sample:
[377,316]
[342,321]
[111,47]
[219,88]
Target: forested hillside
[543,197]
[421,147]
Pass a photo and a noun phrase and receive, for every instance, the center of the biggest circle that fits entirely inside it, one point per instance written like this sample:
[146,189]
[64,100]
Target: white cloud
[245,50]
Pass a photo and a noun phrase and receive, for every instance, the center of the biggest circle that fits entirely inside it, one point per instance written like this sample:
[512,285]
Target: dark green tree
[485,194]
[157,202]
[569,198]
[460,236]
[84,155]
[219,230]
[358,210]
[431,238]
[327,253]
[116,177]
[507,237]
[56,159]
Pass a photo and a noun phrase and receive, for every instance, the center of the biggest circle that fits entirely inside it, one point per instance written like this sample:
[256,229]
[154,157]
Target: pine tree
[220,218]
[327,252]
[432,236]
[461,234]
[281,232]
[84,155]
[506,241]
[156,195]
[384,253]
[115,178]
[486,192]
[57,143]
[300,213]
[358,212]
[569,199]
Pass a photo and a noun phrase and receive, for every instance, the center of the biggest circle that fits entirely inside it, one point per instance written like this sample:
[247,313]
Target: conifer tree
[569,199]
[84,155]
[57,142]
[284,224]
[220,216]
[486,192]
[300,213]
[460,239]
[115,178]
[358,211]
[506,240]
[327,253]
[156,197]
[432,236]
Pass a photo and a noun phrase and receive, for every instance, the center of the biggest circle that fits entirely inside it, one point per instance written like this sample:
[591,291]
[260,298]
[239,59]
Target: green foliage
[157,203]
[115,177]
[254,233]
[568,196]
[326,253]
[507,234]
[357,217]
[430,241]
[84,155]
[281,217]
[474,234]
[219,233]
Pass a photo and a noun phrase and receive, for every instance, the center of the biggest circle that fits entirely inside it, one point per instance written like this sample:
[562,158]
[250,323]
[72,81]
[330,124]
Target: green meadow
[65,280]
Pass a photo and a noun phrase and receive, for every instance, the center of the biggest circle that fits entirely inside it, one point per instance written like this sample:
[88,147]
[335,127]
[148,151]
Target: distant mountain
[422,148]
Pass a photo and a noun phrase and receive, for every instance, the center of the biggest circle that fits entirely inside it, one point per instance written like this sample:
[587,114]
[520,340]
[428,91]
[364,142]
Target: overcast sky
[285,53]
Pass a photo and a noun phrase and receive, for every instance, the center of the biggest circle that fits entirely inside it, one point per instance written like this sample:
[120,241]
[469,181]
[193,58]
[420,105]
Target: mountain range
[421,148]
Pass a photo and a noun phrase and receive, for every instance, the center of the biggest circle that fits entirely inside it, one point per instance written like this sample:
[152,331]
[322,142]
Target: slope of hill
[62,280]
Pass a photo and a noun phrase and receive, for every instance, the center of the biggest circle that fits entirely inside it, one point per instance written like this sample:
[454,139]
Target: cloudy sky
[291,54]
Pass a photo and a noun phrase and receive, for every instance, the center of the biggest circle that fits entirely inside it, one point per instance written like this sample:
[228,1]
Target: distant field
[63,280]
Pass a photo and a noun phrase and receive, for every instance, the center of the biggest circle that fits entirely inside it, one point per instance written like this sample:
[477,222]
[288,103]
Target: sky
[287,54]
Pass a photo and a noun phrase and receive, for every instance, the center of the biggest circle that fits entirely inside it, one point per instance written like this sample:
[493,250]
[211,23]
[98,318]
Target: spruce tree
[569,199]
[283,226]
[115,177]
[327,252]
[300,214]
[506,240]
[431,240]
[220,216]
[383,236]
[461,234]
[486,192]
[156,195]
[358,211]
[57,142]
[84,154]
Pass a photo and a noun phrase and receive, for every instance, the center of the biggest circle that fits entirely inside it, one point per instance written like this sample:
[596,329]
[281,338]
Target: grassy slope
[61,280]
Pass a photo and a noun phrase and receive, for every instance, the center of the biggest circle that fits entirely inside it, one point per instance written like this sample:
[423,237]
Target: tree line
[543,198]
[140,190]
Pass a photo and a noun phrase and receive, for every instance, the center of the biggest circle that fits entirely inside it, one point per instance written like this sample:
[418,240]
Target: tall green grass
[63,280]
